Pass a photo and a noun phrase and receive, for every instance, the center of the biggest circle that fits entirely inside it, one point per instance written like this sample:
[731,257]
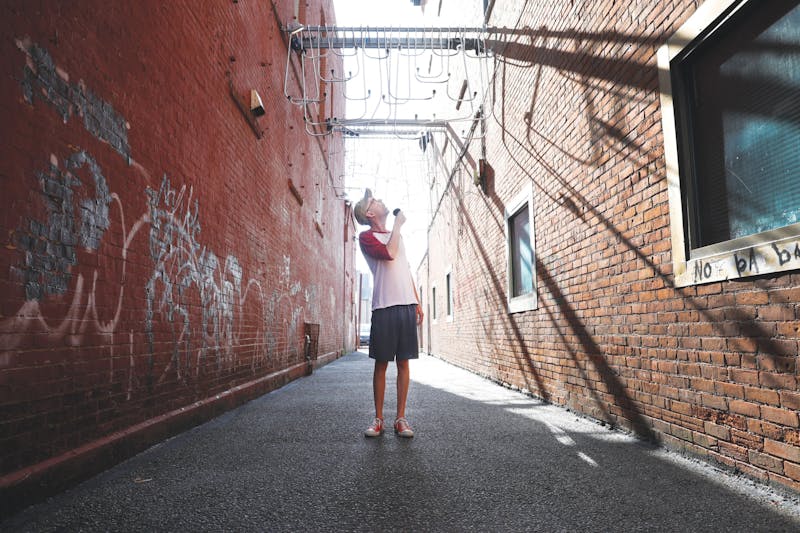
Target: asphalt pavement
[484,458]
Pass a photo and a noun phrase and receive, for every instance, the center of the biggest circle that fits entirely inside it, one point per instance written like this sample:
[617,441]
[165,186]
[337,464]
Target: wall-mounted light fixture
[256,107]
[243,107]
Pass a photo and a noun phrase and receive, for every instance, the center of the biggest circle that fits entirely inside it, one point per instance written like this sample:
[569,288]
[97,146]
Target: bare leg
[379,386]
[403,378]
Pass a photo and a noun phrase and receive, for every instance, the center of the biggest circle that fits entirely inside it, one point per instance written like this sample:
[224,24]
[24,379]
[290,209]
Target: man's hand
[399,220]
[394,240]
[420,314]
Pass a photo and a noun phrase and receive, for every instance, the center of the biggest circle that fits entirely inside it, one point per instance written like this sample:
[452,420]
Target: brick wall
[711,369]
[153,252]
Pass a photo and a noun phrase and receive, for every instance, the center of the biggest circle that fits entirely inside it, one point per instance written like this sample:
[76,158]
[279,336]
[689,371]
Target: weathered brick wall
[153,253]
[712,368]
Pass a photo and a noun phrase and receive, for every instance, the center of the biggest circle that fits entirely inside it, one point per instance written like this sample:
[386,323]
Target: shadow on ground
[484,459]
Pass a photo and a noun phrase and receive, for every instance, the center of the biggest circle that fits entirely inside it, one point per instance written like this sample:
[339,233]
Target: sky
[377,12]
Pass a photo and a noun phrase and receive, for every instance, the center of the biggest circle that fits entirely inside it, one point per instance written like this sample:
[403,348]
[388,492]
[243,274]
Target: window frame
[767,252]
[528,301]
[433,304]
[448,277]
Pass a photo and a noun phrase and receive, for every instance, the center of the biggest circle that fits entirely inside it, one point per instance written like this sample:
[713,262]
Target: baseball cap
[360,210]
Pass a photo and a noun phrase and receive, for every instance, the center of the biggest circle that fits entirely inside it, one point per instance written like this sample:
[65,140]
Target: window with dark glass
[737,110]
[521,253]
[449,296]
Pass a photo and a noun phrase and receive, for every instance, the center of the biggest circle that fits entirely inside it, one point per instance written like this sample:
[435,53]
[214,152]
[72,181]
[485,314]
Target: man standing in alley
[395,307]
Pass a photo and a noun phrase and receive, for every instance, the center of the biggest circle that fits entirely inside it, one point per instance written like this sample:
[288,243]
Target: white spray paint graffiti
[185,272]
[283,317]
[49,252]
[184,269]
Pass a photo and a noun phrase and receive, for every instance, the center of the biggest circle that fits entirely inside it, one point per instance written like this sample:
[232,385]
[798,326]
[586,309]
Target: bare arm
[394,239]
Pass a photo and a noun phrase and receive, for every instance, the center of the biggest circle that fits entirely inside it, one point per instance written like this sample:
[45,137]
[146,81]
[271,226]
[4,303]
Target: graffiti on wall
[50,246]
[183,269]
[43,80]
[776,256]
[198,297]
[186,271]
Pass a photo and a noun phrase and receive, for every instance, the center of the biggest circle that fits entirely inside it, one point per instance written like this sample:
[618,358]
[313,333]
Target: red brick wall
[153,254]
[712,368]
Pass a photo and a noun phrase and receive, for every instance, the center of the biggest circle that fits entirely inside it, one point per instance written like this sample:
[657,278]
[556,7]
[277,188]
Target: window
[730,94]
[433,303]
[521,254]
[449,282]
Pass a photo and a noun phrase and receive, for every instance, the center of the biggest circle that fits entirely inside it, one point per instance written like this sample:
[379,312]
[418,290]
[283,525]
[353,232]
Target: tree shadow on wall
[593,351]
[621,58]
[511,328]
[627,76]
[595,354]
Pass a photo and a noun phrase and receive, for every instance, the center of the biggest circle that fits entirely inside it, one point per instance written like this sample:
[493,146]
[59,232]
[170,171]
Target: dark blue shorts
[394,333]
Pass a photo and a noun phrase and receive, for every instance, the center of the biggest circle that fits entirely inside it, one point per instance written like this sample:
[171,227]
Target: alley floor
[484,458]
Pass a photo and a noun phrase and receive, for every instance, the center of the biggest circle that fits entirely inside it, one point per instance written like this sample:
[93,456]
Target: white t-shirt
[393,282]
